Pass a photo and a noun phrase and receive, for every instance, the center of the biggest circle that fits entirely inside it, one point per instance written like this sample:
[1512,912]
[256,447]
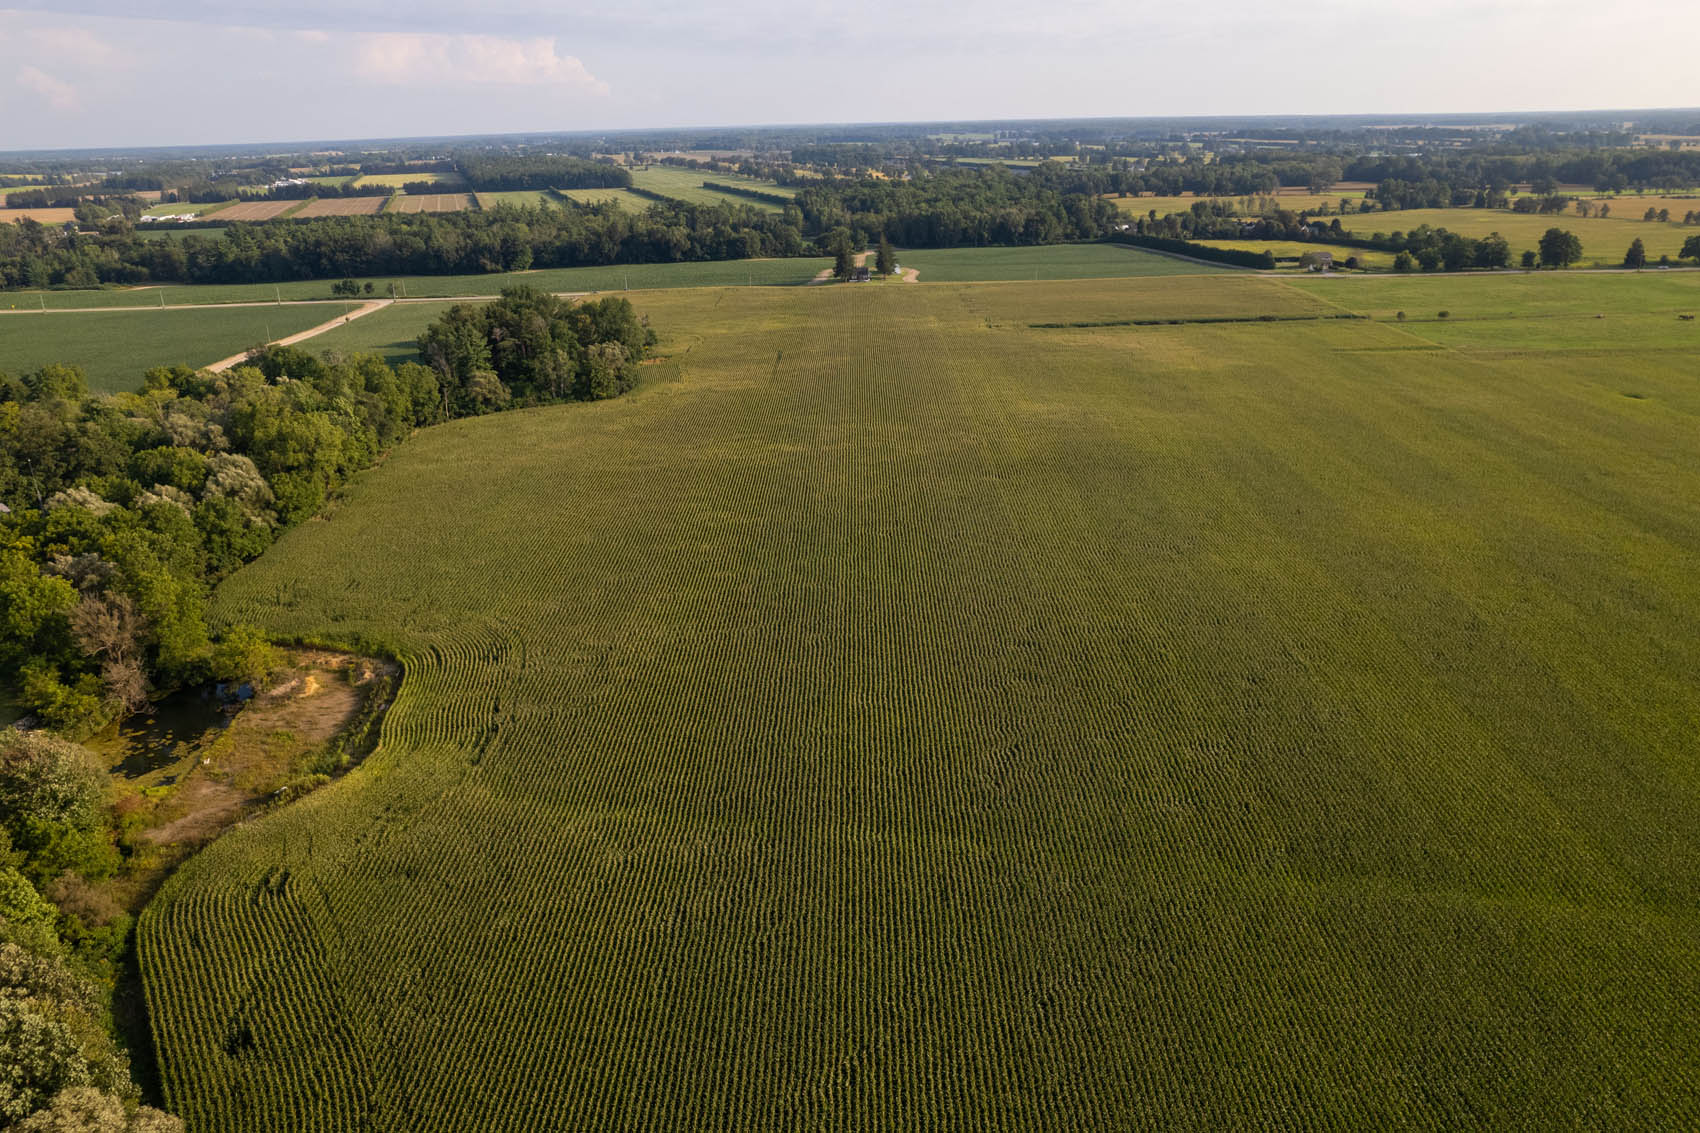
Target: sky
[98,73]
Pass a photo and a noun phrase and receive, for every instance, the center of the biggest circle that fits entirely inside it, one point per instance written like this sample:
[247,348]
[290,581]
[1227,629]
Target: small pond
[167,730]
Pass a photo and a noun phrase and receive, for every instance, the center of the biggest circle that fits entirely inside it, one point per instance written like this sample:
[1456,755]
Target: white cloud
[73,45]
[59,94]
[403,58]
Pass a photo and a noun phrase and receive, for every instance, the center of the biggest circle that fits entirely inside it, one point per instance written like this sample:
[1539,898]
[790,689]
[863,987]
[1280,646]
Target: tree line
[951,208]
[498,172]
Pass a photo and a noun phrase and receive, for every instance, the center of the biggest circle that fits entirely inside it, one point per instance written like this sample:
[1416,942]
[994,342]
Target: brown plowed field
[344,206]
[255,210]
[431,202]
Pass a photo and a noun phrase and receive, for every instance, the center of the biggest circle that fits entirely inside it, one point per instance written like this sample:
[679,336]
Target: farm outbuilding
[860,275]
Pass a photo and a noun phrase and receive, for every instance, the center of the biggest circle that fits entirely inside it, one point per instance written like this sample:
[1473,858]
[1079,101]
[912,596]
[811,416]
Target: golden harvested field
[257,210]
[1294,199]
[1293,249]
[430,202]
[45,216]
[344,206]
[185,208]
[1604,240]
[399,179]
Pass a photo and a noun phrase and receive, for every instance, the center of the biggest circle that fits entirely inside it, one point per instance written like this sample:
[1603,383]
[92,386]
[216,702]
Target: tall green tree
[1636,257]
[884,260]
[1559,249]
[843,258]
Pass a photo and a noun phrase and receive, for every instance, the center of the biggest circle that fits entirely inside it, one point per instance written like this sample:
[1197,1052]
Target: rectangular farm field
[41,216]
[257,210]
[343,206]
[430,202]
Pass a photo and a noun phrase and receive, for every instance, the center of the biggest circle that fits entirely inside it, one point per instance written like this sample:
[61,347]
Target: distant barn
[860,275]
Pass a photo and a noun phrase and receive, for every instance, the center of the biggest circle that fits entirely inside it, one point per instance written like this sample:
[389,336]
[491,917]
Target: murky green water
[167,731]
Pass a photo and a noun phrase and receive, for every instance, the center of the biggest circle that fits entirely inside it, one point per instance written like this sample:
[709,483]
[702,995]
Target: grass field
[162,232]
[185,207]
[397,180]
[116,347]
[895,716]
[527,197]
[1604,241]
[1140,206]
[430,202]
[260,210]
[686,185]
[343,206]
[626,199]
[708,274]
[1293,249]
[1058,261]
[392,333]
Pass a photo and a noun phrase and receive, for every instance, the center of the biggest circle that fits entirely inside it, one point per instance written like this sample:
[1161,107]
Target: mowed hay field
[895,716]
[431,202]
[527,198]
[1294,200]
[625,198]
[397,180]
[259,210]
[116,347]
[40,216]
[687,185]
[1604,240]
[343,206]
[1054,261]
[695,273]
[1294,249]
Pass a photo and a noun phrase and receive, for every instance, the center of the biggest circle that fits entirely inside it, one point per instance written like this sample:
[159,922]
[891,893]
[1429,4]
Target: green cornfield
[895,715]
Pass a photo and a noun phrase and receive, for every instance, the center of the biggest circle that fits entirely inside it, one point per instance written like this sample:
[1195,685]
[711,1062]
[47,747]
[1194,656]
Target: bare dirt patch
[290,737]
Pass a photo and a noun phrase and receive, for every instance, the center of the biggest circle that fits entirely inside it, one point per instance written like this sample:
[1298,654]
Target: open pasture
[392,333]
[625,198]
[397,180]
[343,206]
[186,208]
[1055,261]
[1285,250]
[528,198]
[1604,240]
[1294,200]
[431,202]
[713,273]
[259,210]
[687,185]
[116,347]
[893,715]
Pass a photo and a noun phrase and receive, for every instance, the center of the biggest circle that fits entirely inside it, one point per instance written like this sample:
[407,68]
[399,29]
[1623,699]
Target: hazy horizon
[95,74]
